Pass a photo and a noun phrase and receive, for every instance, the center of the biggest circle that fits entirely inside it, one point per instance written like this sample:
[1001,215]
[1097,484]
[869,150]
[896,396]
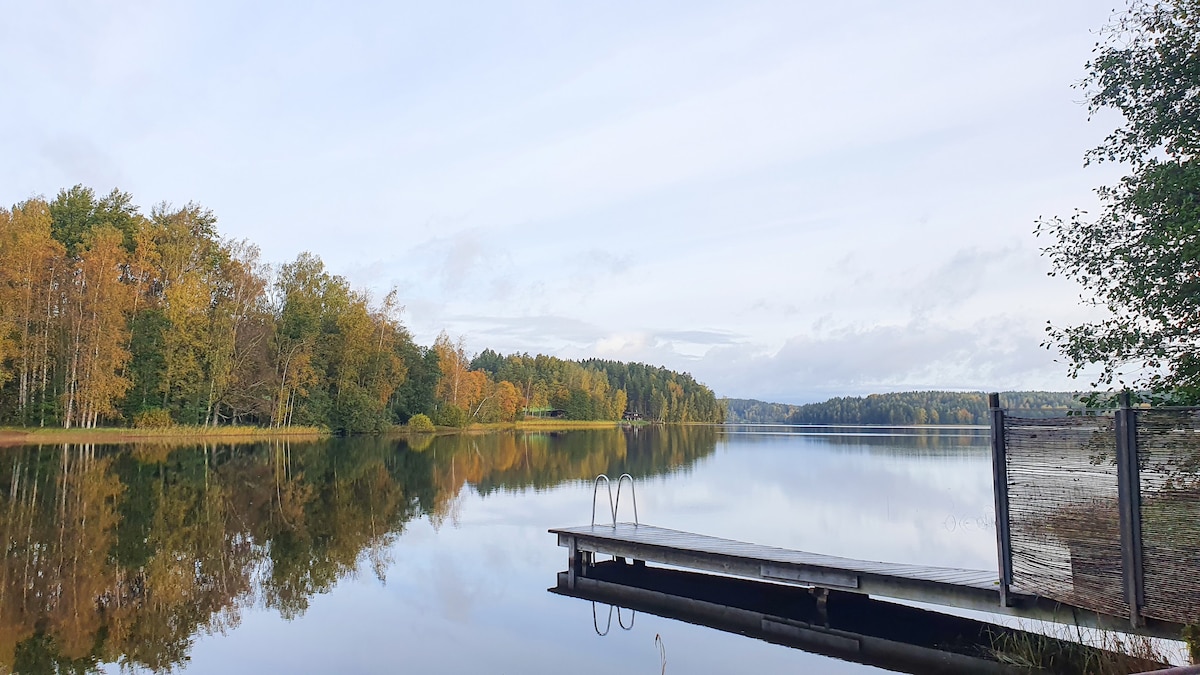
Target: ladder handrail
[596,622]
[608,624]
[612,507]
[614,504]
[632,617]
[632,495]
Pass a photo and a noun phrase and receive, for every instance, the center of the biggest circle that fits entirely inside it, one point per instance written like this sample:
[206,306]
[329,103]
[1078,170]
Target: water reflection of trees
[126,553]
[509,461]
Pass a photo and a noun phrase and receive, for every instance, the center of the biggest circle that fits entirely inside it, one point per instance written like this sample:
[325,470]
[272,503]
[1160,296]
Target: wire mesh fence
[1065,538]
[1168,446]
[1064,520]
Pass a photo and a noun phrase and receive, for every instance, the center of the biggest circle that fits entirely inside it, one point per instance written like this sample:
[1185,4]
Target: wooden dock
[967,589]
[645,543]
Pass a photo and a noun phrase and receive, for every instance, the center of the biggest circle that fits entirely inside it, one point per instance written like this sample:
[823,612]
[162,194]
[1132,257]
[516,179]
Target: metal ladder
[620,619]
[614,504]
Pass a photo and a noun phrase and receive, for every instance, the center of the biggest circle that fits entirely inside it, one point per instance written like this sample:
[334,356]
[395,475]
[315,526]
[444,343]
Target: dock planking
[973,589]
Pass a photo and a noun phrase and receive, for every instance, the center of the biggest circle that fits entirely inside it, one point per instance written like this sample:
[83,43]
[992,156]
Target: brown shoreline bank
[180,435]
[13,436]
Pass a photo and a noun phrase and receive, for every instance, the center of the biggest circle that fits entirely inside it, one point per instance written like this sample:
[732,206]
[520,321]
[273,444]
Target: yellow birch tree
[100,303]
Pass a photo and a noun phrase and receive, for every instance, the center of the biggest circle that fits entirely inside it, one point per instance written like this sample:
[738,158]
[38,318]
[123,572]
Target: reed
[1071,652]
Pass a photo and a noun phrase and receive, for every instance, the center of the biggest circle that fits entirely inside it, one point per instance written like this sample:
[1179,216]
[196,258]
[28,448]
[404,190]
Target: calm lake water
[370,555]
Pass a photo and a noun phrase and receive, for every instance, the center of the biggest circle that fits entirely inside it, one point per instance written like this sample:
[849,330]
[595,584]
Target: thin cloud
[701,337]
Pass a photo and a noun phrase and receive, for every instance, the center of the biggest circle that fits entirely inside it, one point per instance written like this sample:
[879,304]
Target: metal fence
[1101,511]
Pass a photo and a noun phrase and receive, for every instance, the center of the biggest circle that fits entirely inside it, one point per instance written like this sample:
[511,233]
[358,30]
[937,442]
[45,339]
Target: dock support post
[1000,493]
[573,562]
[1129,499]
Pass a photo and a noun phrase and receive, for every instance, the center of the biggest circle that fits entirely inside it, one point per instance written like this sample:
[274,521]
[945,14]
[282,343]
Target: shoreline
[14,436]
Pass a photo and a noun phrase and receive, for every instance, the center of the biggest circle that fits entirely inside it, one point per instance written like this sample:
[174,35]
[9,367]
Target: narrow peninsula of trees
[910,407]
[661,394]
[110,316]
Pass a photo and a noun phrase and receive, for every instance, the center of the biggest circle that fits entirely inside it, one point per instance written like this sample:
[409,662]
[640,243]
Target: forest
[909,407]
[114,317]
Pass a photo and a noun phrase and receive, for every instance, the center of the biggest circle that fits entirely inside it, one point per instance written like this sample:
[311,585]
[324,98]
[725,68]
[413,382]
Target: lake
[431,555]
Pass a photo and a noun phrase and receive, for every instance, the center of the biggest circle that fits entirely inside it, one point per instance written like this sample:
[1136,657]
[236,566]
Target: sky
[790,200]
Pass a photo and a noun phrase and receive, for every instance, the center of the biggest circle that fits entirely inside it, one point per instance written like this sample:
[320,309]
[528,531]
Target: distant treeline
[109,316]
[752,411]
[909,407]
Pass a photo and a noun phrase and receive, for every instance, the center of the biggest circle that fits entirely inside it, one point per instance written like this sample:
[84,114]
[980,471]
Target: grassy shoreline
[10,436]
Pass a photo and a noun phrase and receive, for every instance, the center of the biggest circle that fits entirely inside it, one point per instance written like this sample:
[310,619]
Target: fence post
[1000,492]
[1129,500]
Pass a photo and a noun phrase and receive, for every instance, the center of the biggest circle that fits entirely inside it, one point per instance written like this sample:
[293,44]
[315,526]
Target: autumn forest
[111,316]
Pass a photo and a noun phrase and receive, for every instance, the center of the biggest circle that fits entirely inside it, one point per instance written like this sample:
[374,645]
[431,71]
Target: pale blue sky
[790,200]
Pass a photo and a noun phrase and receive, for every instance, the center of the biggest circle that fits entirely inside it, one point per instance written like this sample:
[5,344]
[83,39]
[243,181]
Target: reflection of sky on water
[878,500]
[471,595]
